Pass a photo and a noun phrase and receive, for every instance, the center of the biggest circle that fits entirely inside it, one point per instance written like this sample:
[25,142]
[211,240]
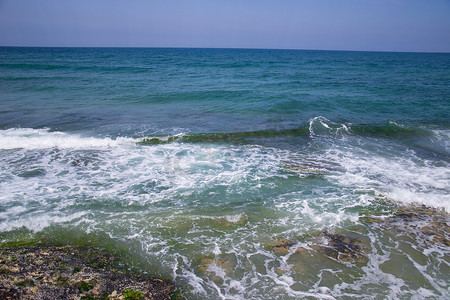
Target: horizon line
[225,48]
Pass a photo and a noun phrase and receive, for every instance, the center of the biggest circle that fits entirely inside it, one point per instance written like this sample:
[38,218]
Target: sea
[236,173]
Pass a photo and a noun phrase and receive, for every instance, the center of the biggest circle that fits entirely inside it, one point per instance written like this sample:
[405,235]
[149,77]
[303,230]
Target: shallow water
[198,162]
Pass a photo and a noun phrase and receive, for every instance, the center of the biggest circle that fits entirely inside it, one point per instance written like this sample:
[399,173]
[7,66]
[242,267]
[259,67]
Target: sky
[367,25]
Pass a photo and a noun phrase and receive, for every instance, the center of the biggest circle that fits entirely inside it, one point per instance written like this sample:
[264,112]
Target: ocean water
[199,163]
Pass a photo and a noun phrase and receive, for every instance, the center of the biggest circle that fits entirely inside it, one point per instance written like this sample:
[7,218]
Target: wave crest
[29,138]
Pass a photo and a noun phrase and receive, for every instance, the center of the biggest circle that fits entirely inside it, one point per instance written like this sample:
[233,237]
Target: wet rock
[282,247]
[338,247]
[79,163]
[151,141]
[204,263]
[345,248]
[225,263]
[280,271]
[217,268]
[421,223]
[62,272]
[371,220]
[9,293]
[231,222]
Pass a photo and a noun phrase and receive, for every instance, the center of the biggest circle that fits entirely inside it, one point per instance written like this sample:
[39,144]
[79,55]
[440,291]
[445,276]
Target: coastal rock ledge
[65,272]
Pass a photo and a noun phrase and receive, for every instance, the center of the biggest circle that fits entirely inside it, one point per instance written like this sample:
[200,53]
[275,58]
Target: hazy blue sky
[387,25]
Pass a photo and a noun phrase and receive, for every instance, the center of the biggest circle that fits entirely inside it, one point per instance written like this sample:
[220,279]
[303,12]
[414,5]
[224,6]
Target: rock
[231,222]
[300,267]
[370,220]
[8,293]
[345,249]
[282,247]
[280,271]
[338,247]
[72,273]
[225,264]
[423,223]
[79,163]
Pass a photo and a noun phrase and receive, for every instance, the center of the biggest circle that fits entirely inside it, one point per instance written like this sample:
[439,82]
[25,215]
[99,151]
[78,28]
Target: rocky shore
[67,272]
[43,271]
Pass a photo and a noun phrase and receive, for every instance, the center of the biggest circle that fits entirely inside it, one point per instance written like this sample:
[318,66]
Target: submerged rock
[371,220]
[421,223]
[225,263]
[338,247]
[345,248]
[63,272]
[231,221]
[282,247]
[217,268]
[79,163]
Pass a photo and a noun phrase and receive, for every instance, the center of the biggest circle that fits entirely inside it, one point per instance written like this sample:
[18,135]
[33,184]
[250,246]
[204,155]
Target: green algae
[132,295]
[228,137]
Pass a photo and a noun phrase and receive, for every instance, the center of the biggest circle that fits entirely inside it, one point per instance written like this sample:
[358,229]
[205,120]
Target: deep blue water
[251,89]
[183,156]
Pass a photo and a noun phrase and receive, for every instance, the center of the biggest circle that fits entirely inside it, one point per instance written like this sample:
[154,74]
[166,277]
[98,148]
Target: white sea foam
[28,138]
[37,221]
[443,137]
[235,218]
[405,178]
[60,170]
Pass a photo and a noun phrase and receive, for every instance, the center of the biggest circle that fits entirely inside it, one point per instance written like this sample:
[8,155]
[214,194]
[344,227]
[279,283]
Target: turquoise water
[198,161]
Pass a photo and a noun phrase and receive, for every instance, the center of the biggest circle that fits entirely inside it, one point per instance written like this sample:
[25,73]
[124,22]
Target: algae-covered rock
[371,220]
[64,272]
[152,141]
[338,247]
[420,223]
[231,221]
[217,268]
[345,249]
[282,247]
[225,263]
[130,294]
